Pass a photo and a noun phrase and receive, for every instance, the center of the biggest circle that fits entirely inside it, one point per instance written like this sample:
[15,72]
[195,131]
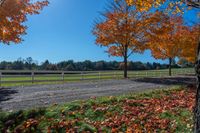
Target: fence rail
[23,76]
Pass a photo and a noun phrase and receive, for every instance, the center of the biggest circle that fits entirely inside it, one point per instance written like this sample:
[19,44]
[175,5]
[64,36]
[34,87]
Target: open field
[18,78]
[168,110]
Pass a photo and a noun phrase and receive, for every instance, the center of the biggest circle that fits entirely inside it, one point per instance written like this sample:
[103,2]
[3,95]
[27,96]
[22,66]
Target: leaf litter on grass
[157,111]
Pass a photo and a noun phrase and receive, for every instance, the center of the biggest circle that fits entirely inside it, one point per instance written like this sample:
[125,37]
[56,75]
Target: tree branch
[193,3]
[2,2]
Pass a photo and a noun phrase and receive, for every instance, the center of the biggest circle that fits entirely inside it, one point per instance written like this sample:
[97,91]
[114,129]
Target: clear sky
[63,32]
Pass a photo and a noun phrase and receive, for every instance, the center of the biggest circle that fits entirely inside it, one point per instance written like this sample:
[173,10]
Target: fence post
[63,76]
[99,75]
[82,76]
[32,76]
[146,74]
[0,78]
[115,75]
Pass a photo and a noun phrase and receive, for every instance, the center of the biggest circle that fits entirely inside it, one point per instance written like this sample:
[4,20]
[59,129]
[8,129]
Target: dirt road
[24,97]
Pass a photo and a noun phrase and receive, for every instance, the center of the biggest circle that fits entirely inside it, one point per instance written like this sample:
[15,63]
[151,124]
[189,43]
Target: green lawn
[167,110]
[11,80]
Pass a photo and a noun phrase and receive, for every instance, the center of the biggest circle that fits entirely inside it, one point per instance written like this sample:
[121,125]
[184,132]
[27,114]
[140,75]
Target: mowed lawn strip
[167,110]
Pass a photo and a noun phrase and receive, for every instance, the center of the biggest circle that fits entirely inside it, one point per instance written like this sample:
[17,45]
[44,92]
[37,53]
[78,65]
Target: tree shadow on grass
[188,80]
[5,94]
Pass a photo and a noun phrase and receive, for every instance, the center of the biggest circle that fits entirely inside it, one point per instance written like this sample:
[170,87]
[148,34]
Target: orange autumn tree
[164,41]
[121,31]
[177,6]
[188,45]
[13,14]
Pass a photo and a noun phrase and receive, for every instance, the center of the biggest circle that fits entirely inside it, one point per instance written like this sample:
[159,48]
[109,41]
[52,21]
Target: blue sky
[63,32]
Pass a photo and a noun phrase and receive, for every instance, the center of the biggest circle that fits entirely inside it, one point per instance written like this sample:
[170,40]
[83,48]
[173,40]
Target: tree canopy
[124,30]
[13,14]
[175,5]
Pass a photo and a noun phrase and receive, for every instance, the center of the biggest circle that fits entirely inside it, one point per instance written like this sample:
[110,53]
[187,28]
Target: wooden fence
[17,76]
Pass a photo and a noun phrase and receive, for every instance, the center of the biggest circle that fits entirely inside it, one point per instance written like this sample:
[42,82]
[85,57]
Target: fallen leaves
[161,111]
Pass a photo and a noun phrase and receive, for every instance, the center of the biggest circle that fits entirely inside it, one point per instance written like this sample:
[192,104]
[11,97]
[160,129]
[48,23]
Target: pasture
[19,78]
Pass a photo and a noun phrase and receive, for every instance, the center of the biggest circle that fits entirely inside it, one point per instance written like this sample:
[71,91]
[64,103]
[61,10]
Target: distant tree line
[87,65]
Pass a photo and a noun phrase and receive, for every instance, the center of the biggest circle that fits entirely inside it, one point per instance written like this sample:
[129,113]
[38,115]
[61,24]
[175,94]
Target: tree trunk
[170,66]
[197,107]
[125,62]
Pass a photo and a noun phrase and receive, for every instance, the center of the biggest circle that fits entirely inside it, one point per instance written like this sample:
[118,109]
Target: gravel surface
[24,97]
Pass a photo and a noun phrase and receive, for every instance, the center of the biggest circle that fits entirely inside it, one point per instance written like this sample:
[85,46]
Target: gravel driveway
[17,98]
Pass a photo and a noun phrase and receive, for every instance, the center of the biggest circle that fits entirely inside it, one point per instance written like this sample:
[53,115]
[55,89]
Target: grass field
[168,110]
[18,80]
